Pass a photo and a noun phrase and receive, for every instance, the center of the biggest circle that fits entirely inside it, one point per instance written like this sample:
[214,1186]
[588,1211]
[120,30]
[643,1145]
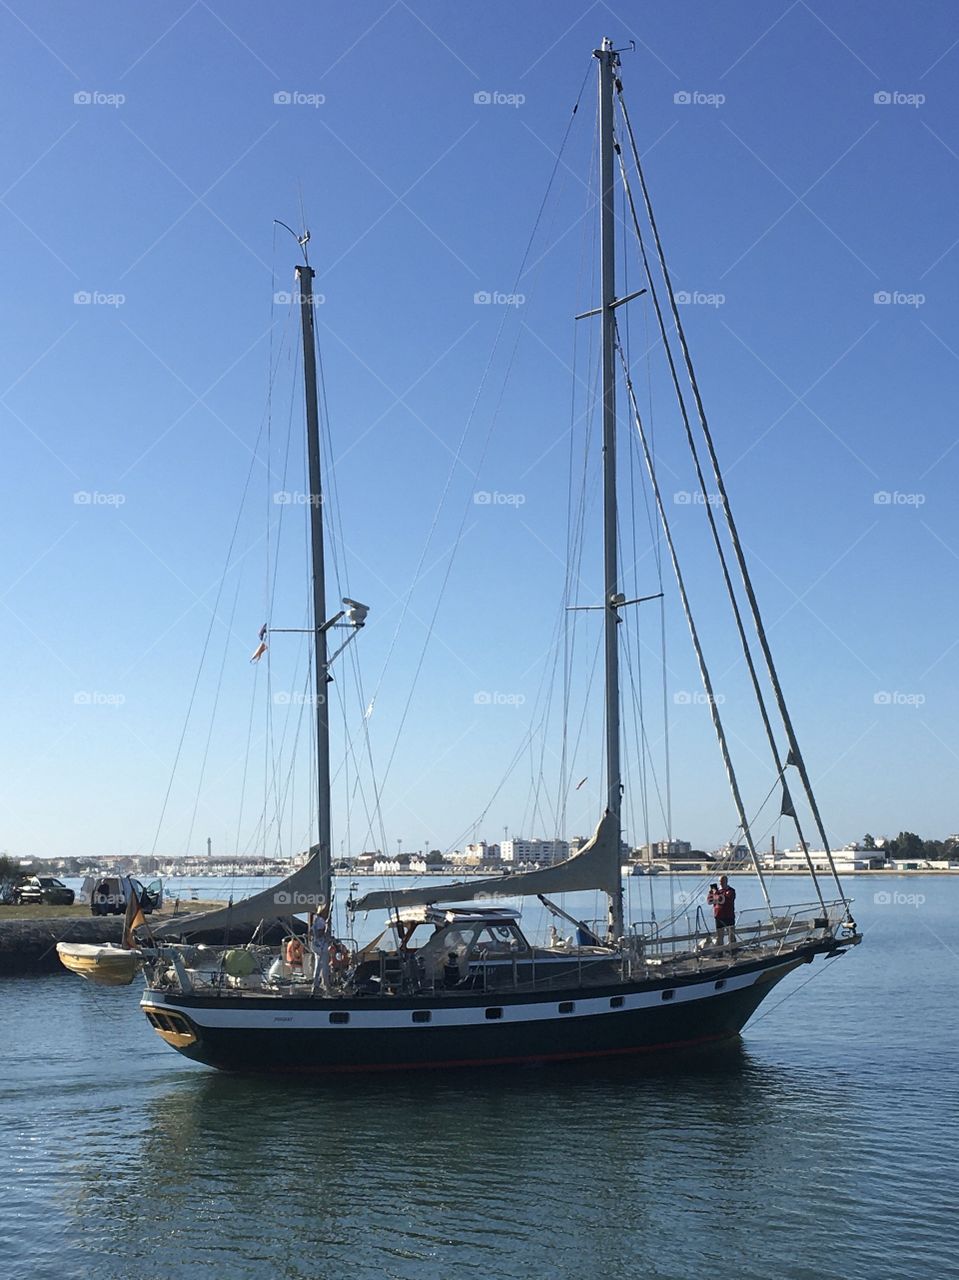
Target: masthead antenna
[302,240]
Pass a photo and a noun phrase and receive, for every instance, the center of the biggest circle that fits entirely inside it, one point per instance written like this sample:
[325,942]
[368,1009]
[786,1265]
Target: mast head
[608,51]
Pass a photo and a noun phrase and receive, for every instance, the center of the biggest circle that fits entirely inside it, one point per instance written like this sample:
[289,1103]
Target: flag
[369,710]
[786,809]
[258,652]
[262,633]
[580,783]
[132,919]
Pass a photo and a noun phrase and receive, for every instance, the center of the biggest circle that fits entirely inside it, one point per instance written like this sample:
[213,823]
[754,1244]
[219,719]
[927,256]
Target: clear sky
[807,191]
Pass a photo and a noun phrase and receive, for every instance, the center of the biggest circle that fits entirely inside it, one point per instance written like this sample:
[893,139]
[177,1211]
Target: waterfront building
[543,852]
[479,854]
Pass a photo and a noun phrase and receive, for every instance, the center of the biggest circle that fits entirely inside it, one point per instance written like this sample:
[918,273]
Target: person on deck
[320,939]
[722,899]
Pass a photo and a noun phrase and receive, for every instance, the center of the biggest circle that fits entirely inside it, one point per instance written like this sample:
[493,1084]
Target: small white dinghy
[104,963]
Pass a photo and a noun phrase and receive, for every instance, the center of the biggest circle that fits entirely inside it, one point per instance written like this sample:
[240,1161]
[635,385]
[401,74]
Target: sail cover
[595,866]
[300,892]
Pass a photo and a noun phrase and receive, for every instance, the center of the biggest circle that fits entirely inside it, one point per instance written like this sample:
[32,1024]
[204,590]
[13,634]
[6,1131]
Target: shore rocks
[29,946]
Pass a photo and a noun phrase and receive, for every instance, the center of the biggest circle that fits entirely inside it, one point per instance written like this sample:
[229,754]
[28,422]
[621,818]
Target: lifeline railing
[649,950]
[753,930]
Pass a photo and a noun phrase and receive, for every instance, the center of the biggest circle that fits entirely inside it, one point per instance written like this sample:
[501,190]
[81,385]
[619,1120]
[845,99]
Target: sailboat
[453,979]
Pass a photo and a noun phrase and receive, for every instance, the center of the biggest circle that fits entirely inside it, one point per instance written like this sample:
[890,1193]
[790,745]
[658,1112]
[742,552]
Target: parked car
[108,895]
[39,889]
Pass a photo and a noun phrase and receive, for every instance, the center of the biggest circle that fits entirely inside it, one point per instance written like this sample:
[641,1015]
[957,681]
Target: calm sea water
[825,1145]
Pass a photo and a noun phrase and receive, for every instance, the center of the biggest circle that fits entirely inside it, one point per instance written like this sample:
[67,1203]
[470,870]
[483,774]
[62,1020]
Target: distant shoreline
[468,873]
[489,873]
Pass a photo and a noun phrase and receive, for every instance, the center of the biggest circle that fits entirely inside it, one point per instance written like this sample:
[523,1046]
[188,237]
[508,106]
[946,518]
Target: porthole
[339,1019]
[567,1006]
[422,1015]
[668,995]
[719,984]
[616,1002]
[493,1014]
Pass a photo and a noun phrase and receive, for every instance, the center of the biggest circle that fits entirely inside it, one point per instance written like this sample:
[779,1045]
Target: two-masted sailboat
[453,980]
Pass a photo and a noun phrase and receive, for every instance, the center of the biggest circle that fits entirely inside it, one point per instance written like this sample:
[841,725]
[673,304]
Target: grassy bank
[81,910]
[42,911]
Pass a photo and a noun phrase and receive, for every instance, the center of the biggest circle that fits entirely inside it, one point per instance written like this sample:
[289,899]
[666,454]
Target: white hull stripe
[232,1015]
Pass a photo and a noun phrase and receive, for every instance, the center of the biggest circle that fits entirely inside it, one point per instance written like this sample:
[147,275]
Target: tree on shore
[908,846]
[10,868]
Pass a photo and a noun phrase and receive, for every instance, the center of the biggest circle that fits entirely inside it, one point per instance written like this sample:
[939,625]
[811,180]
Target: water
[824,1146]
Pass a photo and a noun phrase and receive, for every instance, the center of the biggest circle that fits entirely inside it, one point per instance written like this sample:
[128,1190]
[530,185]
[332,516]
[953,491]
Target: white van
[108,895]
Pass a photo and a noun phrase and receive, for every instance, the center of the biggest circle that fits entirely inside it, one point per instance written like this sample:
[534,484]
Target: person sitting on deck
[293,954]
[722,899]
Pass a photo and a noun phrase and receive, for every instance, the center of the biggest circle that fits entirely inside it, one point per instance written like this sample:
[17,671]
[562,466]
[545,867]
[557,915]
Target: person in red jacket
[722,899]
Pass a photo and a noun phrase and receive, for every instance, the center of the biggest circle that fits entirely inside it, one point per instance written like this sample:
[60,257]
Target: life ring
[294,953]
[339,956]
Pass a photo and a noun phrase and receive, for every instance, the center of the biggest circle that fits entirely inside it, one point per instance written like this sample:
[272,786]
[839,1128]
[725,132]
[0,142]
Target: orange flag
[132,919]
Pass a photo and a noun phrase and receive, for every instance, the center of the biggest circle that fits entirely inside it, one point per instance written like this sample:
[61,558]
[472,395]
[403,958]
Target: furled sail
[299,893]
[595,866]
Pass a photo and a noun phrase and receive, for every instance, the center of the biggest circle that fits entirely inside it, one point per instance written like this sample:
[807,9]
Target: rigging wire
[216,703]
[206,642]
[694,634]
[795,755]
[457,455]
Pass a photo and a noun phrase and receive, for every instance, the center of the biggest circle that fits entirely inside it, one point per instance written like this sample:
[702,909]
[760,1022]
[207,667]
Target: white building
[665,849]
[479,854]
[848,858]
[545,852]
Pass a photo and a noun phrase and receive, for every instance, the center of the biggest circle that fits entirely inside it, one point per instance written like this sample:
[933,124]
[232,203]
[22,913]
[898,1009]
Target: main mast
[608,61]
[305,281]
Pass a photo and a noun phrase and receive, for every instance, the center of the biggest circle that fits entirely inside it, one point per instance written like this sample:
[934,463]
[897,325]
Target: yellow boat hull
[106,964]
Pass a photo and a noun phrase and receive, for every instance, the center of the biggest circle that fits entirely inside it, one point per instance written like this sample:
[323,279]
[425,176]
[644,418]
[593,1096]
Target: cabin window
[422,1015]
[493,1014]
[339,1019]
[719,984]
[668,995]
[567,1006]
[616,1002]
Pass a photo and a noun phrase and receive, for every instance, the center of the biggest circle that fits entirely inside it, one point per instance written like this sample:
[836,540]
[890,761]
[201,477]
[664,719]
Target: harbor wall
[29,946]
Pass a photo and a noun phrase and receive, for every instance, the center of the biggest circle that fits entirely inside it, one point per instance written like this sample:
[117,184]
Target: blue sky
[788,196]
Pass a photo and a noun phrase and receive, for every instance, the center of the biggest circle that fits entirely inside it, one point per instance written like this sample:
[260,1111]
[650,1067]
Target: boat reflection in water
[507,1175]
